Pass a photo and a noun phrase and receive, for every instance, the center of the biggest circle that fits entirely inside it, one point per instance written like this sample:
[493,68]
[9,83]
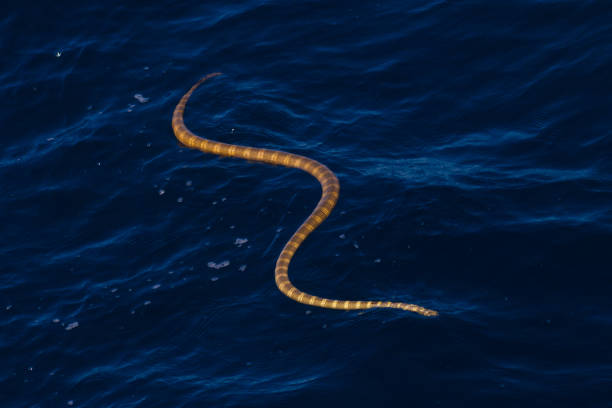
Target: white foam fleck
[240,241]
[188,183]
[156,286]
[356,245]
[9,307]
[219,265]
[242,268]
[161,191]
[232,226]
[71,402]
[72,325]
[56,320]
[179,200]
[147,302]
[214,279]
[141,98]
[341,236]
[377,260]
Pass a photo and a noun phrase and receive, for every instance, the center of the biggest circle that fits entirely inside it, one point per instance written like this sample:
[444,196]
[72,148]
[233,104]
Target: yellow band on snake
[330,192]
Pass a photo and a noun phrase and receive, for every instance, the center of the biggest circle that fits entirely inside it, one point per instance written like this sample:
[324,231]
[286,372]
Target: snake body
[329,197]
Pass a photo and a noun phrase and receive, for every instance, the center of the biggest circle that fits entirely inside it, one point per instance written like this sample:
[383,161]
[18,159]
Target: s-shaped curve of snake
[330,192]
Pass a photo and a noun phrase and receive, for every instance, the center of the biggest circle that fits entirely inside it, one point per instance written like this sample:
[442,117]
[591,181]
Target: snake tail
[329,196]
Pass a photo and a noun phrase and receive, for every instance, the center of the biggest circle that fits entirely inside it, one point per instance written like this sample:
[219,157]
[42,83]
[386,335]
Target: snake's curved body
[330,192]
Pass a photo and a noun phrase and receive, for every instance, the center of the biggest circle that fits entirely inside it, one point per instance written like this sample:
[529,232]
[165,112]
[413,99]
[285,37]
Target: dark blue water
[472,142]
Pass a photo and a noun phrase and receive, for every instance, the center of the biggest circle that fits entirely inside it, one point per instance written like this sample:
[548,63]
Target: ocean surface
[473,144]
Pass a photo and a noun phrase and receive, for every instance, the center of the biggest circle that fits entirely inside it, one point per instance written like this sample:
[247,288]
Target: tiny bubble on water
[72,325]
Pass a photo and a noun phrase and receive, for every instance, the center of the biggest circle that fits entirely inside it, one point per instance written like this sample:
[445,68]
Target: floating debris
[58,54]
[240,241]
[72,325]
[219,265]
[141,98]
[161,191]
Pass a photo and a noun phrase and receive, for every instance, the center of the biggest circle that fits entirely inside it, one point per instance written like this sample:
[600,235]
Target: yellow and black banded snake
[330,192]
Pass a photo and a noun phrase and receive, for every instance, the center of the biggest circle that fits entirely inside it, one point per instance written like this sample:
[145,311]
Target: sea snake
[330,192]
